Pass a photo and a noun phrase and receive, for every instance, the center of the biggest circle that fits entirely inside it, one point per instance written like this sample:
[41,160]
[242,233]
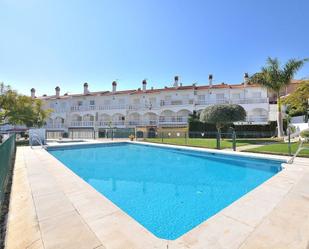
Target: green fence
[7,153]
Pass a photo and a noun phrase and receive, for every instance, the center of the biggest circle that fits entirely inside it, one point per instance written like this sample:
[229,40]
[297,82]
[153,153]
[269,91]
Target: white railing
[54,125]
[84,108]
[249,101]
[112,107]
[173,120]
[104,123]
[82,123]
[232,101]
[212,101]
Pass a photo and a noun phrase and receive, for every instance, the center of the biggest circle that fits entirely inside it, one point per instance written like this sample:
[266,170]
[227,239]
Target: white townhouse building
[152,108]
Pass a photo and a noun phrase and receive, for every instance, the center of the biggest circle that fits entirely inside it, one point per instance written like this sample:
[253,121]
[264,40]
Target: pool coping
[104,225]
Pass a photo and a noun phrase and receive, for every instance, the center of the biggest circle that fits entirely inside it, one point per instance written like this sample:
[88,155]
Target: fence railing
[7,154]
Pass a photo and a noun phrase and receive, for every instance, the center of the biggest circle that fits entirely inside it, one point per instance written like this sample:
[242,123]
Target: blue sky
[54,42]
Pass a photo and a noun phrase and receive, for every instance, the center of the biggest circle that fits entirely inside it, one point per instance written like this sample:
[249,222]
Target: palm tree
[275,78]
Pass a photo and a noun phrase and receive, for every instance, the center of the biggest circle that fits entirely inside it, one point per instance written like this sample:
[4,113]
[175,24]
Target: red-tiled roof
[150,91]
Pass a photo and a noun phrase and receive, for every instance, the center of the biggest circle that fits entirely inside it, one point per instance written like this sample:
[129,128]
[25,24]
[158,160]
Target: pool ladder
[299,149]
[36,138]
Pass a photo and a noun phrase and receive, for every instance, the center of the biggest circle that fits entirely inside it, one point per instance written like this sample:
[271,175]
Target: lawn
[209,142]
[280,149]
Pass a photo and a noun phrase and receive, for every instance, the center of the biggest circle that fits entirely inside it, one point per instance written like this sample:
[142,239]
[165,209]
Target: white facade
[167,107]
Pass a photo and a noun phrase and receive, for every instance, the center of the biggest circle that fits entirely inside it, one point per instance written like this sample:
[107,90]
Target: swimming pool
[168,191]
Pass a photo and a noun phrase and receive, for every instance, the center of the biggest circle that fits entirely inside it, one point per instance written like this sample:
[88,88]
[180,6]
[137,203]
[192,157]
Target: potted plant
[131,137]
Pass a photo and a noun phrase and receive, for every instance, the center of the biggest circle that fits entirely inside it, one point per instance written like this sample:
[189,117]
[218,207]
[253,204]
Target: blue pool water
[168,191]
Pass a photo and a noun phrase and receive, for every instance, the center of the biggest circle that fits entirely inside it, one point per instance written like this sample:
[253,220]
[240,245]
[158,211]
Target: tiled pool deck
[51,207]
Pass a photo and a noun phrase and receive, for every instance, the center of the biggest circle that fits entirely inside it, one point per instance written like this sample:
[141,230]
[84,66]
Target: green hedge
[267,130]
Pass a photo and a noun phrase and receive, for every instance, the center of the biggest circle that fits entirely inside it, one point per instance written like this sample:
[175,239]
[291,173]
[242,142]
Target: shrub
[305,133]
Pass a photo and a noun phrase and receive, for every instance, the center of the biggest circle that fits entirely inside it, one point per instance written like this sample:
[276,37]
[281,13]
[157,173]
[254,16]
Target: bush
[305,133]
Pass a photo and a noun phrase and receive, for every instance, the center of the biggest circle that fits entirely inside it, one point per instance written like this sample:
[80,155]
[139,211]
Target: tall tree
[297,102]
[275,78]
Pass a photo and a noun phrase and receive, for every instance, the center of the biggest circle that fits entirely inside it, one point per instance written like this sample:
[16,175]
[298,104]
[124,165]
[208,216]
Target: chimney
[246,79]
[176,79]
[86,91]
[210,80]
[32,93]
[114,86]
[57,91]
[144,85]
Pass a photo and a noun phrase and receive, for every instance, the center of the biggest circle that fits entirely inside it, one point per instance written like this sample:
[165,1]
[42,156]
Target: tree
[297,102]
[222,115]
[275,78]
[21,109]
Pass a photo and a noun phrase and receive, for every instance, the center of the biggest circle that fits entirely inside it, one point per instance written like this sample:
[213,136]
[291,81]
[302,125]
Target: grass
[209,142]
[280,149]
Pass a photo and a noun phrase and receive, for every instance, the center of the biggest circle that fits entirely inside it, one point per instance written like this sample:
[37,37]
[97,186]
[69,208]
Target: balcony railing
[173,120]
[232,101]
[82,123]
[112,107]
[249,101]
[162,120]
[83,108]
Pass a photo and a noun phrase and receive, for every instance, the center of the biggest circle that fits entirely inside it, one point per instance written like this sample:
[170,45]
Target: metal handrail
[299,149]
[37,138]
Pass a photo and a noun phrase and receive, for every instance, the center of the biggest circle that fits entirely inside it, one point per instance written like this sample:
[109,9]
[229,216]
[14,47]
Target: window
[79,103]
[121,101]
[92,102]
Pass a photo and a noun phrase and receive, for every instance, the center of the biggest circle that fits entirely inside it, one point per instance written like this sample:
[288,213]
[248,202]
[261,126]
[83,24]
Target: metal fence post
[234,140]
[218,140]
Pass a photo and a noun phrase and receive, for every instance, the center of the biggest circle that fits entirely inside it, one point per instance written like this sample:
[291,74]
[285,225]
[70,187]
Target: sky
[49,43]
